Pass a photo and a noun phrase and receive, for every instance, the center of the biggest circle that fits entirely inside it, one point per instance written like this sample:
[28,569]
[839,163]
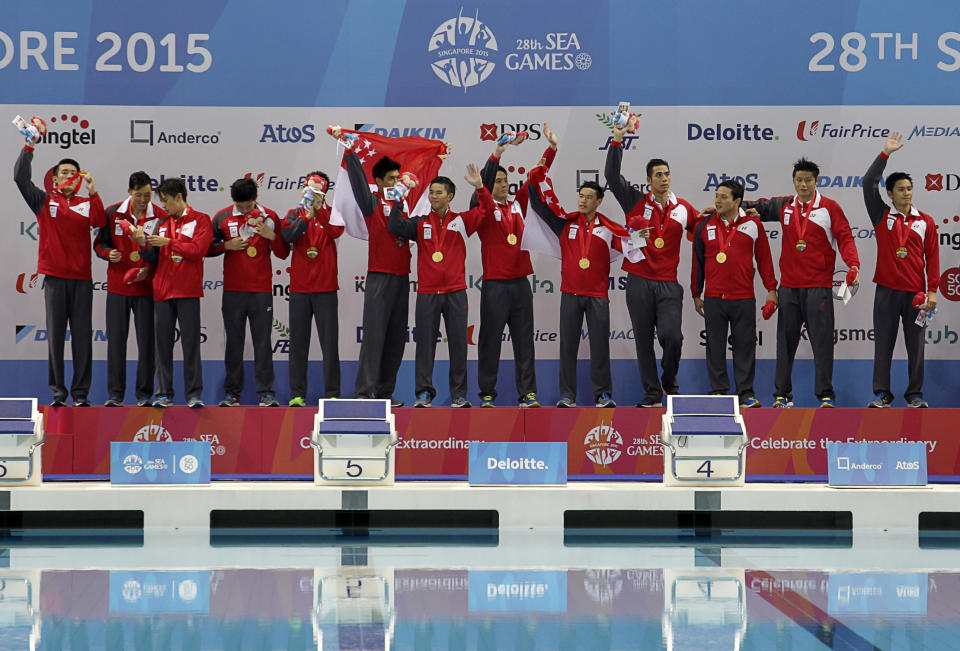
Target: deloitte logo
[132,463]
[462,47]
[152,432]
[603,444]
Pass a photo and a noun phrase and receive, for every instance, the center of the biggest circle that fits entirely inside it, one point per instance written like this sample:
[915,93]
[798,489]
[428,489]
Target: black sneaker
[423,400]
[880,400]
[460,402]
[566,403]
[269,400]
[230,400]
[163,402]
[58,402]
[113,402]
[394,403]
[649,402]
[918,402]
[81,402]
[144,402]
[195,402]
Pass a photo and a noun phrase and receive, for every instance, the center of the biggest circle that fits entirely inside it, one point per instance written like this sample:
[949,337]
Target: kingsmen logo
[462,47]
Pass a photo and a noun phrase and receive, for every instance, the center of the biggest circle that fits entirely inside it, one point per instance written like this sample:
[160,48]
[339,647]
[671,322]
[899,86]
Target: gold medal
[721,257]
[252,251]
[312,252]
[658,242]
[437,256]
[801,245]
[176,258]
[511,239]
[584,263]
[135,256]
[902,252]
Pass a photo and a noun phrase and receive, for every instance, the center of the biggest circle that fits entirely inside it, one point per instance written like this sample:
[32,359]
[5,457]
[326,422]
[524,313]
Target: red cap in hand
[768,309]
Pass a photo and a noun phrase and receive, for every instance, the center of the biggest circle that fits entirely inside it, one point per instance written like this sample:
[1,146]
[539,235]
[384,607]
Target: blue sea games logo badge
[463,47]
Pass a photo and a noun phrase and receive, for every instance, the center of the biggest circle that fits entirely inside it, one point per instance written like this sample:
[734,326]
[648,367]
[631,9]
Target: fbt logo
[813,130]
[941,182]
[603,445]
[628,140]
[144,132]
[281,133]
[749,181]
[152,432]
[26,284]
[65,139]
[434,133]
[462,48]
[492,131]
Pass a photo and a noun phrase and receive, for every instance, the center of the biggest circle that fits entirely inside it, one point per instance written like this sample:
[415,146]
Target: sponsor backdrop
[189,97]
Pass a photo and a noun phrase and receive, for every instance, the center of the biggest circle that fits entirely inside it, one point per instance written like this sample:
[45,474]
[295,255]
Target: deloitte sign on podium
[498,464]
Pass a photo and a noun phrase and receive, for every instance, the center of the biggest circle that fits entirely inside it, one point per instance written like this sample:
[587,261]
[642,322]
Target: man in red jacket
[129,289]
[587,242]
[505,295]
[441,239]
[65,220]
[654,297]
[313,290]
[177,251]
[814,228]
[246,233]
[907,246]
[724,248]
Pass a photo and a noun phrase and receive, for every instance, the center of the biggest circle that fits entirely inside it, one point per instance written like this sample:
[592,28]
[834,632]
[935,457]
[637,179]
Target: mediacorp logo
[145,132]
[815,130]
[73,130]
[462,46]
[603,444]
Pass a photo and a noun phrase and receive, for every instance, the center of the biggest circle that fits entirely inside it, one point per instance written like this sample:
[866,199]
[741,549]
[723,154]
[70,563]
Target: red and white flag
[421,156]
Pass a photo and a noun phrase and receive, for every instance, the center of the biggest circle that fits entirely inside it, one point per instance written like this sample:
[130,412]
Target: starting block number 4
[706,468]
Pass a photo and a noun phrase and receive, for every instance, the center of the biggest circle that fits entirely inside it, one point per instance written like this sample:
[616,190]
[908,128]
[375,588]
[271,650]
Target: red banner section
[434,443]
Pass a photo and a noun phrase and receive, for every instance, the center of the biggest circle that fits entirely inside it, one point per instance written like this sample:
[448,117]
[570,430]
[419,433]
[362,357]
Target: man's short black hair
[804,165]
[138,180]
[65,161]
[384,166]
[500,168]
[172,186]
[897,176]
[592,185]
[443,180]
[654,162]
[736,189]
[243,190]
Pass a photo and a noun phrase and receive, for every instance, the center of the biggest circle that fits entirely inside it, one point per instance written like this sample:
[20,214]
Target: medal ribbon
[659,229]
[440,234]
[68,182]
[801,218]
[583,236]
[255,238]
[315,231]
[506,223]
[725,241]
[903,231]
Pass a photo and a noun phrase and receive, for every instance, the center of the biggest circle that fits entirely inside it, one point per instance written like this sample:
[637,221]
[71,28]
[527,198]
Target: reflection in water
[390,605]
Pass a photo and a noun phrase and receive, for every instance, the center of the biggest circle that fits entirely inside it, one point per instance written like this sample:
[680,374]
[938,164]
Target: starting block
[704,440]
[21,434]
[353,442]
[704,608]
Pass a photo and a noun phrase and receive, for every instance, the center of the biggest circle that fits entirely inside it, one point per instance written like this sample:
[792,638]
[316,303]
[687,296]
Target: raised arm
[22,176]
[627,196]
[361,187]
[876,208]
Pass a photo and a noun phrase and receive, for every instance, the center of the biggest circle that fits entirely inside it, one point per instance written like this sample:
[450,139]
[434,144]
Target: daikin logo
[463,47]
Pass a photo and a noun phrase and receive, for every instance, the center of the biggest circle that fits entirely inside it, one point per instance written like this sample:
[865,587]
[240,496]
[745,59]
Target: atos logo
[493,131]
[26,283]
[462,47]
[750,181]
[277,133]
[75,136]
[908,465]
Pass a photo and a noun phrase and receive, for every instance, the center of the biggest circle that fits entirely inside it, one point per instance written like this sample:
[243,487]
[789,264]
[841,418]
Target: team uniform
[64,257]
[313,296]
[907,245]
[585,253]
[441,287]
[125,297]
[177,289]
[505,294]
[813,232]
[723,272]
[247,295]
[386,292]
[654,297]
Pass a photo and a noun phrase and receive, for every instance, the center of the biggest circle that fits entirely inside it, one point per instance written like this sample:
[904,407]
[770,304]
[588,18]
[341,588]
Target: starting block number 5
[354,468]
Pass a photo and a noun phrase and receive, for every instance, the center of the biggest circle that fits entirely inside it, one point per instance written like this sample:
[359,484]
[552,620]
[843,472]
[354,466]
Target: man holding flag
[363,211]
[588,242]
